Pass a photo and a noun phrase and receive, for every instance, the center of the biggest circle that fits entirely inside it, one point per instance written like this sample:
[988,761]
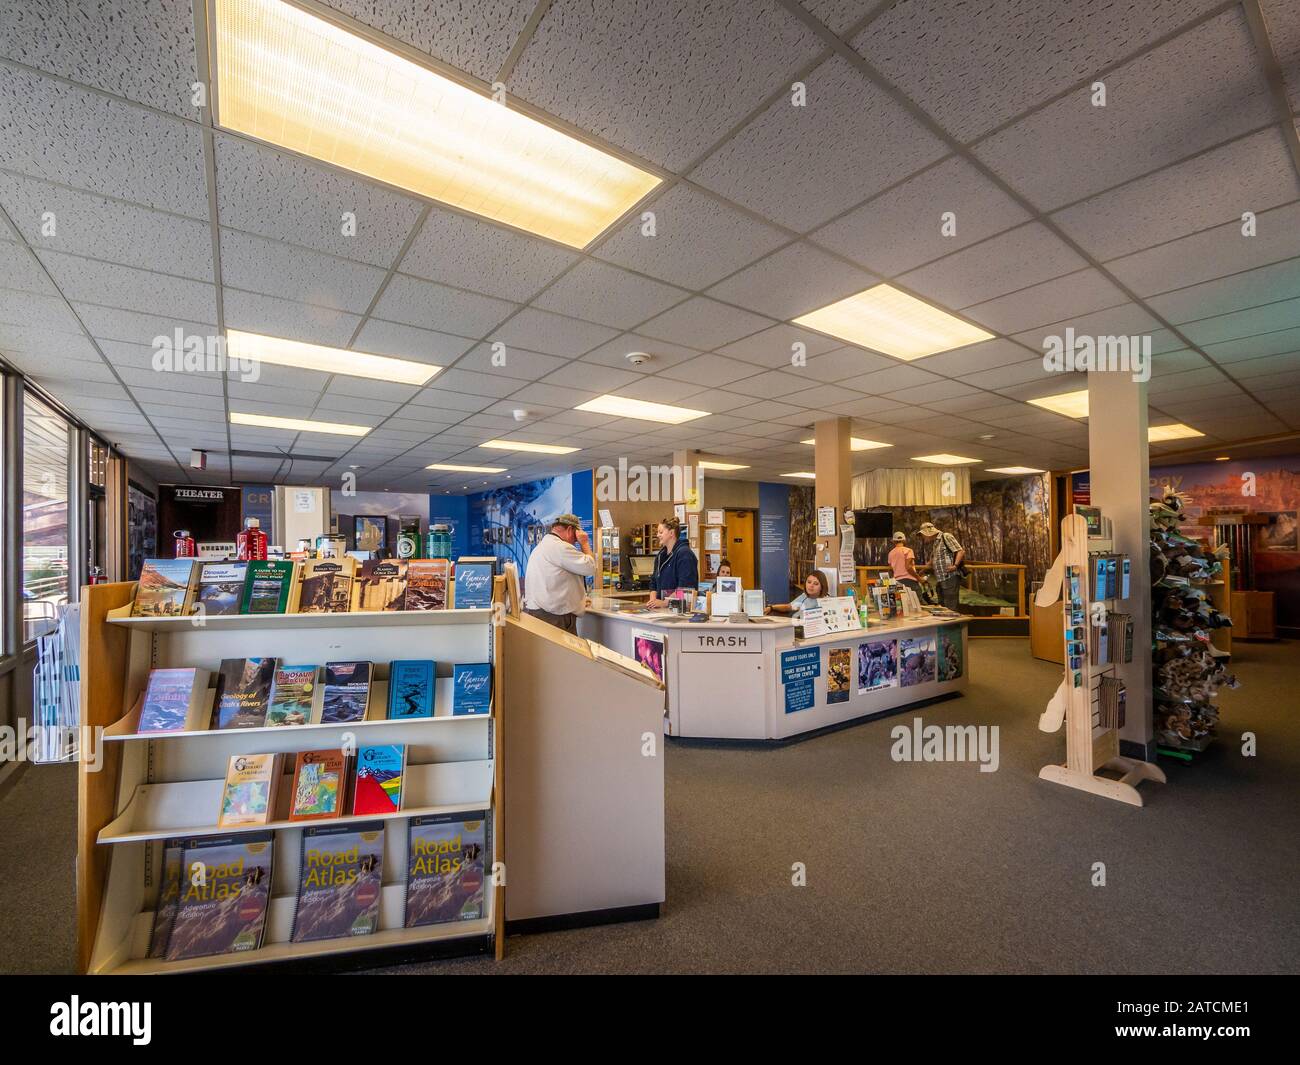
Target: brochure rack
[1091,741]
[147,788]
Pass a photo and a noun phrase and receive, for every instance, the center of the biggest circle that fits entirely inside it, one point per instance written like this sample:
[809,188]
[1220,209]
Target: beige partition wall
[583,752]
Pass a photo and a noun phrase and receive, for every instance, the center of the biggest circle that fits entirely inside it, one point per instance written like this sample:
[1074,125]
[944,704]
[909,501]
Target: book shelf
[151,787]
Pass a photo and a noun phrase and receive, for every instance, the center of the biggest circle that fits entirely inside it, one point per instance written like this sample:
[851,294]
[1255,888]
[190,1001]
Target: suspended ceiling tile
[476,384]
[932,391]
[696,239]
[286,318]
[56,132]
[1177,362]
[1125,320]
[439,398]
[974,357]
[840,15]
[660,389]
[1267,319]
[272,268]
[1078,293]
[802,165]
[1267,284]
[774,384]
[516,362]
[797,279]
[1016,374]
[347,385]
[551,334]
[20,271]
[1013,260]
[973,66]
[1282,17]
[274,194]
[602,293]
[473,37]
[209,386]
[704,323]
[409,342]
[1213,253]
[843,363]
[778,346]
[1251,174]
[905,227]
[1200,89]
[1270,364]
[584,376]
[710,371]
[619,70]
[892,379]
[614,353]
[113,285]
[448,310]
[40,314]
[1255,347]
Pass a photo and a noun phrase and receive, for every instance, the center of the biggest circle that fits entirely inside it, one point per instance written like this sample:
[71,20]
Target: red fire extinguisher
[250,545]
[185,547]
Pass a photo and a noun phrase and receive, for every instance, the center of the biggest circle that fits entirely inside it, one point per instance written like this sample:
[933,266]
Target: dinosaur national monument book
[222,905]
[166,588]
[291,695]
[445,867]
[221,588]
[340,882]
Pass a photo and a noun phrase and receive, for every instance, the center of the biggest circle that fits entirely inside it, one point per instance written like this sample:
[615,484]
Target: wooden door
[738,546]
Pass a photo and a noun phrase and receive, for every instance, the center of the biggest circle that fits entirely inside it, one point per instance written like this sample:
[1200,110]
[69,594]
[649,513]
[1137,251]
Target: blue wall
[508,521]
[774,541]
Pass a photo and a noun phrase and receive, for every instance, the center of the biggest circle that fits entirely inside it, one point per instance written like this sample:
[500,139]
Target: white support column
[1120,472]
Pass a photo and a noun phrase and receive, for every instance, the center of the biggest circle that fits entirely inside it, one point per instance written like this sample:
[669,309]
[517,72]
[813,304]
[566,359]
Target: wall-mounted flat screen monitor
[873,525]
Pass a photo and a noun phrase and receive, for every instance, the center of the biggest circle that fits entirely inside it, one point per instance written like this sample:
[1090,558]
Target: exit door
[738,547]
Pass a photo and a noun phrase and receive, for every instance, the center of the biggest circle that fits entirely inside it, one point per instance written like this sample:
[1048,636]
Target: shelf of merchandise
[151,787]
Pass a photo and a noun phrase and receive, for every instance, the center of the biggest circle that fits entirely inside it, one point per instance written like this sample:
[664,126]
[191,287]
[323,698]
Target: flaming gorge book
[173,700]
[222,907]
[473,588]
[347,692]
[243,692]
[267,587]
[320,780]
[252,785]
[221,587]
[426,583]
[471,688]
[291,695]
[166,588]
[340,882]
[327,585]
[444,875]
[381,585]
[377,788]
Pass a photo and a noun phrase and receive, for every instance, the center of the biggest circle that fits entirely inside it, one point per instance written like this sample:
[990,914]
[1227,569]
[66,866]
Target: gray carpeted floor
[930,867]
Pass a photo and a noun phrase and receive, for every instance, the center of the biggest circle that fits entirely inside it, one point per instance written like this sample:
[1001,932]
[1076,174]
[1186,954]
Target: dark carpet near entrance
[910,867]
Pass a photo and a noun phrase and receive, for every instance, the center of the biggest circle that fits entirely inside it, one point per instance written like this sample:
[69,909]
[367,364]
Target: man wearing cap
[554,588]
[946,555]
[902,560]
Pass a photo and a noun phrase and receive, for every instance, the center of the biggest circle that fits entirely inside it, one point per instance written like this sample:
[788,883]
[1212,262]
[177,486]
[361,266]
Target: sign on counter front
[727,642]
[798,671]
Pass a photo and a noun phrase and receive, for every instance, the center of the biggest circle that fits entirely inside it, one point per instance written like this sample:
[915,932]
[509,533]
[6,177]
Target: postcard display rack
[159,786]
[1091,721]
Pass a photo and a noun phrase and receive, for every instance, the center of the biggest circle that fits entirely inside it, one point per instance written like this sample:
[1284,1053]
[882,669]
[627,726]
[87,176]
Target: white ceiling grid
[1113,220]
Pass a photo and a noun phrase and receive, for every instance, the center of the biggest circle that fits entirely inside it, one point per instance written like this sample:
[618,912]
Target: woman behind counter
[676,567]
[815,587]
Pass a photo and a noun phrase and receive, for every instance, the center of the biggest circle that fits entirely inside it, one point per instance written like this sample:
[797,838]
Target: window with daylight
[45,516]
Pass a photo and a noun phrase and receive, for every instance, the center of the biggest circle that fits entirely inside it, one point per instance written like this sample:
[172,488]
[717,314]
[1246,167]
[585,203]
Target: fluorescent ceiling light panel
[1175,431]
[301,356]
[297,425]
[704,464]
[885,319]
[944,459]
[805,474]
[1014,470]
[520,445]
[465,469]
[621,407]
[857,443]
[299,81]
[1071,404]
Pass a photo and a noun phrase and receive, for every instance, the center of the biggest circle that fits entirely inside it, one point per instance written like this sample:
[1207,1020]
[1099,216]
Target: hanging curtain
[911,488]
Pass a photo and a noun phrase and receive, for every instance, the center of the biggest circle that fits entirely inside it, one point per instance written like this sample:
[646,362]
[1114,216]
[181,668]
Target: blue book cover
[474,583]
[471,686]
[410,688]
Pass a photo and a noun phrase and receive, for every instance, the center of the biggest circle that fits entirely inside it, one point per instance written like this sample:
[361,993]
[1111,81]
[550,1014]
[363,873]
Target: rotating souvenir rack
[1090,699]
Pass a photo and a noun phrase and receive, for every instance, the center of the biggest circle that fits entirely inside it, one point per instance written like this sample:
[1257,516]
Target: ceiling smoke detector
[637,358]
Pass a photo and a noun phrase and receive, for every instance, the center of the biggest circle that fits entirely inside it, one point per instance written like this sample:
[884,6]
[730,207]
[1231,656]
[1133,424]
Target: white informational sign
[732,642]
[715,517]
[724,604]
[679,512]
[304,502]
[606,519]
[826,521]
[693,526]
[754,602]
[213,549]
[814,624]
[847,572]
[840,613]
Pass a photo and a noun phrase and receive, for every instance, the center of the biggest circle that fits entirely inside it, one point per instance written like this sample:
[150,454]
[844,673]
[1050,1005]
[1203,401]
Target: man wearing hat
[902,560]
[946,555]
[554,580]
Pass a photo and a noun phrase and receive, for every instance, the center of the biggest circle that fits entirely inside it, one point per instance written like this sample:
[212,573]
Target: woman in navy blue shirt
[676,567]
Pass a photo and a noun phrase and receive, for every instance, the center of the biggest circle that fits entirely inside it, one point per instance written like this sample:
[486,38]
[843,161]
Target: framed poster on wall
[371,532]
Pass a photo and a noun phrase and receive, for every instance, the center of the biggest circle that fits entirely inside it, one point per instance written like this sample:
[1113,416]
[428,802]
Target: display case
[992,596]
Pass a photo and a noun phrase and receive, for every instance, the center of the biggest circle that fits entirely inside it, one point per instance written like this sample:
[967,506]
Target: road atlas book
[225,889]
[445,868]
[340,882]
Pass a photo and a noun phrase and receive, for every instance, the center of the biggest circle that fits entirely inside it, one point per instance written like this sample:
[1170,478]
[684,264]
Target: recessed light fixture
[1071,404]
[705,464]
[1014,470]
[520,445]
[988,436]
[297,425]
[622,407]
[805,474]
[856,443]
[1223,458]
[465,469]
[300,81]
[281,352]
[886,319]
[1172,431]
[944,459]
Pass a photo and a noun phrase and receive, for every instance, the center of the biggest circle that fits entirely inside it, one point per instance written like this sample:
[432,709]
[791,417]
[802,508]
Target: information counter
[755,681]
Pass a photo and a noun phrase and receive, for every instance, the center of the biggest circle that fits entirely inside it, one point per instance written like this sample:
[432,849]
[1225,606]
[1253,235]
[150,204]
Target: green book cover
[266,588]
